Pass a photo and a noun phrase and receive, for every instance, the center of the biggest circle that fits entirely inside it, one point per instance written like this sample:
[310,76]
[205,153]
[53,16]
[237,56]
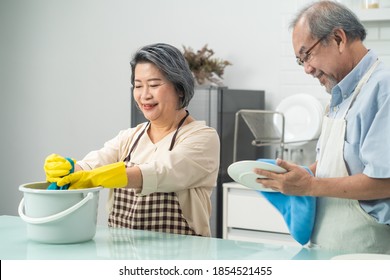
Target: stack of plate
[303,115]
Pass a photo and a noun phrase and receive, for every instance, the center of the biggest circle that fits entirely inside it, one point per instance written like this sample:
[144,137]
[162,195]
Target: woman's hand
[57,166]
[109,176]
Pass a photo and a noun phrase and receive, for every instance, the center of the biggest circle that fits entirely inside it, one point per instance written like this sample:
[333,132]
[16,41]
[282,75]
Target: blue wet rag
[298,211]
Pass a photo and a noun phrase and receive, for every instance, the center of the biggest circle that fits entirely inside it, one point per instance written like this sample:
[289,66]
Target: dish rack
[268,129]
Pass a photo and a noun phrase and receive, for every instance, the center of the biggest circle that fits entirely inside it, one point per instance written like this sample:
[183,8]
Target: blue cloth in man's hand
[298,211]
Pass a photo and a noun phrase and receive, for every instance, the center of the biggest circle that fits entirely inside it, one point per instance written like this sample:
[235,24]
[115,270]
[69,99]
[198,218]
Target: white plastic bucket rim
[59,216]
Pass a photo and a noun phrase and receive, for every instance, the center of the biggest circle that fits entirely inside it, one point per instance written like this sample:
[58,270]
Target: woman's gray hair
[172,64]
[325,16]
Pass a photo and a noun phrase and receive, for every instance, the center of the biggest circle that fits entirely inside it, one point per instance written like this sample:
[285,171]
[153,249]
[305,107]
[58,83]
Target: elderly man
[352,170]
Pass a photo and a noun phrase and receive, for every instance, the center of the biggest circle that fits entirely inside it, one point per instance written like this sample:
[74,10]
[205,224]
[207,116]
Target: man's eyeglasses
[307,54]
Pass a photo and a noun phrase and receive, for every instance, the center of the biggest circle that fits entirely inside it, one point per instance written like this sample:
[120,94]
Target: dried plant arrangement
[204,67]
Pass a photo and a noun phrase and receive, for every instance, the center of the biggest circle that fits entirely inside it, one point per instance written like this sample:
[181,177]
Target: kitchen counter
[123,244]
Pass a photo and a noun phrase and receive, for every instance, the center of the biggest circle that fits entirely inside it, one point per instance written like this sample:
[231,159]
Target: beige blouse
[190,169]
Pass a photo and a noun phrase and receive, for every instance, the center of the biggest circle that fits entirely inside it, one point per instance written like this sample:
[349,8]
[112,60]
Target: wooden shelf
[366,15]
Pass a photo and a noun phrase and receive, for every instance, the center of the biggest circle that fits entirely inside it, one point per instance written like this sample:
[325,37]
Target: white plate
[242,172]
[362,257]
[303,118]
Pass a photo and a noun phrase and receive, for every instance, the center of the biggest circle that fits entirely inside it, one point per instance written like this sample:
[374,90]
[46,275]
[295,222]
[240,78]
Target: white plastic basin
[59,216]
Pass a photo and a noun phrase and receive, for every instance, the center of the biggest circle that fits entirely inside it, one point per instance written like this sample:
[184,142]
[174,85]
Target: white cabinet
[248,216]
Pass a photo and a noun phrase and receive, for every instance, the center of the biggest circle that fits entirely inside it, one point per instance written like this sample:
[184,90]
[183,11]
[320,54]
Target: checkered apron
[157,211]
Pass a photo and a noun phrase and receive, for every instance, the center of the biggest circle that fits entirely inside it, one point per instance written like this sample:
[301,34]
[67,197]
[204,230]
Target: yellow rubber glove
[56,167]
[108,176]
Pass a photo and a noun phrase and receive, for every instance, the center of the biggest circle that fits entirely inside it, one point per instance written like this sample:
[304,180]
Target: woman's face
[154,94]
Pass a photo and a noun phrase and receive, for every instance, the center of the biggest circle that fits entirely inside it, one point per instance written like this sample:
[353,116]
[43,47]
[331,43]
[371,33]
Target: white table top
[117,244]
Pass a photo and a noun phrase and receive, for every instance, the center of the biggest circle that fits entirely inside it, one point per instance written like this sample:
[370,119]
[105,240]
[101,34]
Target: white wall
[64,68]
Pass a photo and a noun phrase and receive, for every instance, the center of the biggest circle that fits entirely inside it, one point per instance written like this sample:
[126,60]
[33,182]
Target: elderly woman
[161,172]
